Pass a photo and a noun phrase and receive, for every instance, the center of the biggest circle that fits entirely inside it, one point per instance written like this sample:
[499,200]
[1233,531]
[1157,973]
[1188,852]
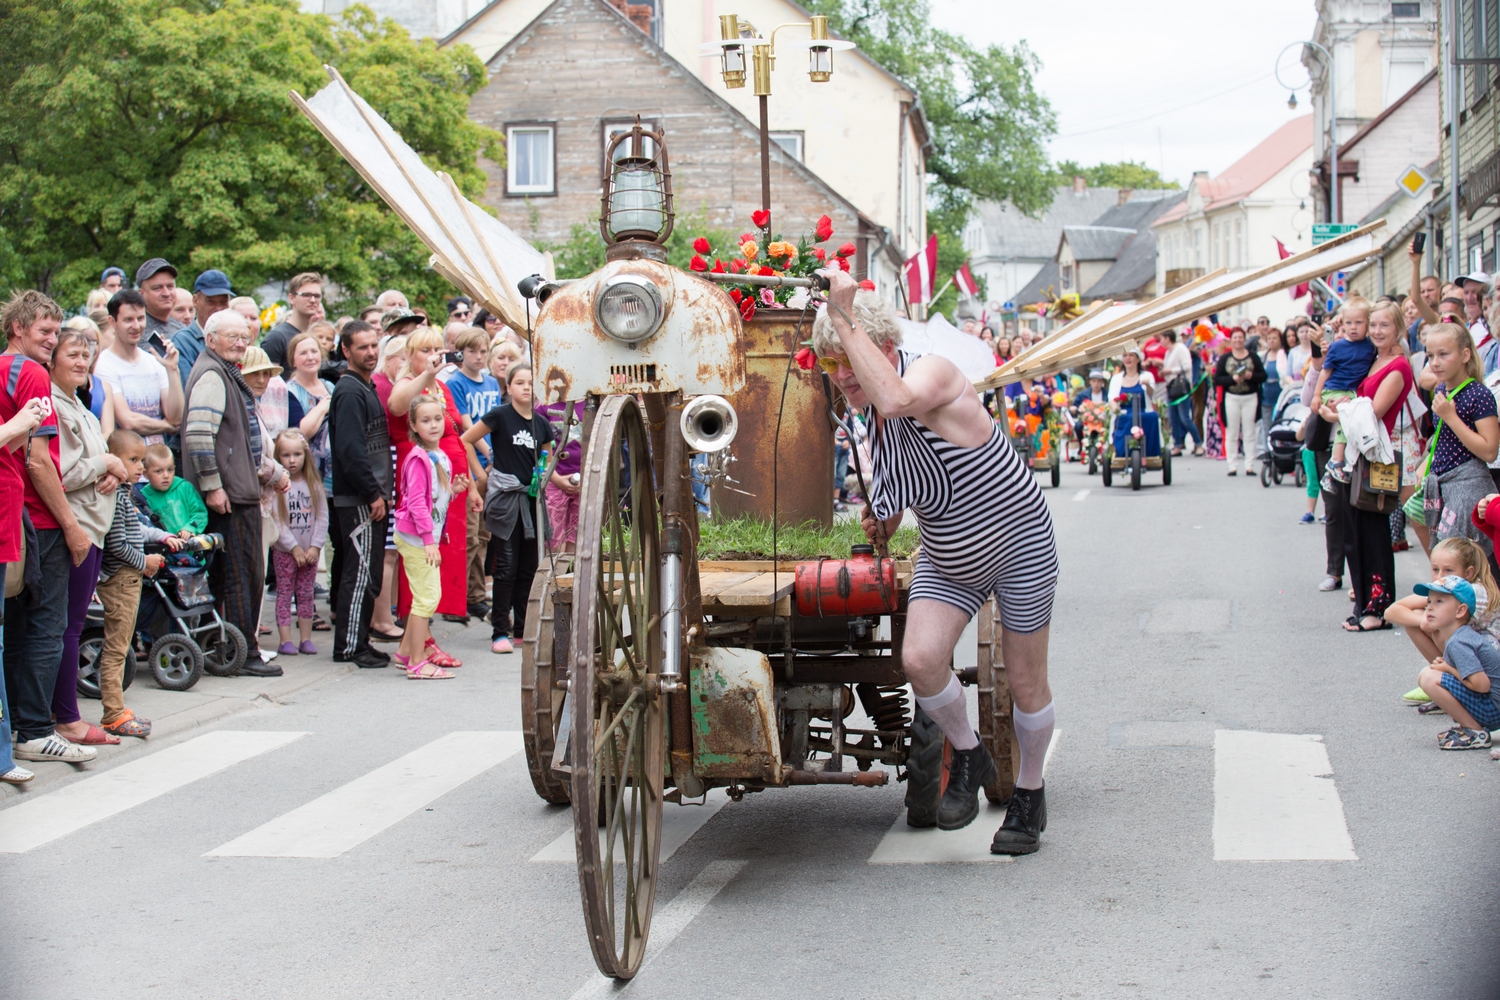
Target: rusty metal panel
[734,714]
[698,350]
[803,469]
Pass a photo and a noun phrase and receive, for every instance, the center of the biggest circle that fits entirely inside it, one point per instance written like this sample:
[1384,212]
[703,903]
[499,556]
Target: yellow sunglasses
[831,365]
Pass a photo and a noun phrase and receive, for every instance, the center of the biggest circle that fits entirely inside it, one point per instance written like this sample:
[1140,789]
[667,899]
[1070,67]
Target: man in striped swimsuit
[985,530]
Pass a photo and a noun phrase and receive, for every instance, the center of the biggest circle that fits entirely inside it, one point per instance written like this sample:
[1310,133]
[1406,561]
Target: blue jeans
[700,487]
[1181,415]
[840,470]
[6,760]
[35,640]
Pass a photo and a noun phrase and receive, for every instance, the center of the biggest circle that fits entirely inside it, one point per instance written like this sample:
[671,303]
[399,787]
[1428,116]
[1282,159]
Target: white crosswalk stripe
[1275,800]
[73,807]
[349,815]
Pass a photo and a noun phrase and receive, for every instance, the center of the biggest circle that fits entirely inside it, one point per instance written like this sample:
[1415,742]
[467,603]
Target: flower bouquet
[762,253]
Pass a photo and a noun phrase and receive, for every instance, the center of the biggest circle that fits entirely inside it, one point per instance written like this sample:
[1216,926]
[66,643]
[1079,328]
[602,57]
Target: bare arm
[107,411]
[403,392]
[1428,314]
[171,400]
[48,486]
[474,432]
[1388,395]
[129,420]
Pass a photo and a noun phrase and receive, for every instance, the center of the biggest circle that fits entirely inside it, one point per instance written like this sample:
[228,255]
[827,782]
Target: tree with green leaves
[1125,174]
[140,128]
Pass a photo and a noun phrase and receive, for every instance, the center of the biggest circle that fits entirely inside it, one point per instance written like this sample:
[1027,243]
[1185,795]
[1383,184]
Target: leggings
[292,580]
[81,580]
[1310,467]
[513,564]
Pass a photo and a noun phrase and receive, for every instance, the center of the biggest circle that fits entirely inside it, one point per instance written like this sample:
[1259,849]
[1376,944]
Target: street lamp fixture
[637,199]
[1334,215]
[736,35]
[1291,101]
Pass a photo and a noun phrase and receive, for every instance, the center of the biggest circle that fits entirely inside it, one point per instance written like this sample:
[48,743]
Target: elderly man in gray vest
[222,448]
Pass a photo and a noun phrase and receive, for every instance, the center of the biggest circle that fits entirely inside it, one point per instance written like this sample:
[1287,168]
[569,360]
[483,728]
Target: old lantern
[820,57]
[731,51]
[637,200]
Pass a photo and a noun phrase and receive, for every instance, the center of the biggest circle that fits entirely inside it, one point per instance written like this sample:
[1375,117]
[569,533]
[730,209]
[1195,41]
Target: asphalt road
[1193,663]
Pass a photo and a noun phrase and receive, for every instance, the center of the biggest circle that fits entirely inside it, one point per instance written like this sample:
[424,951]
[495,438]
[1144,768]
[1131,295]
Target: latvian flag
[967,286]
[920,272]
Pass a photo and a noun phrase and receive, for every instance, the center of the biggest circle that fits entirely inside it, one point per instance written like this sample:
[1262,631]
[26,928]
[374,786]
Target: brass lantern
[731,52]
[637,200]
[819,57]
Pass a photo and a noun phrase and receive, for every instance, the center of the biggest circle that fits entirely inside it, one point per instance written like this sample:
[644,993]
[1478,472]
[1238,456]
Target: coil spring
[886,706]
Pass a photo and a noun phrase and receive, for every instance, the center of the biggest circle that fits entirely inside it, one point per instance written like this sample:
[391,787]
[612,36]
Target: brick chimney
[1079,184]
[639,13]
[1125,194]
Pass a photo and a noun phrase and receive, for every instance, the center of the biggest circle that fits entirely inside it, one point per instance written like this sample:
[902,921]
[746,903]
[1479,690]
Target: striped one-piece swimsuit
[985,526]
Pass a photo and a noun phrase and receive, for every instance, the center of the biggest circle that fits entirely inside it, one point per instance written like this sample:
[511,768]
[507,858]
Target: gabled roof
[1095,242]
[1135,267]
[1242,177]
[1378,120]
[1010,234]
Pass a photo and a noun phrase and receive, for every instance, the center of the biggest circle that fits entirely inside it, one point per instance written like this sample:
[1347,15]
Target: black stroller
[177,609]
[1284,454]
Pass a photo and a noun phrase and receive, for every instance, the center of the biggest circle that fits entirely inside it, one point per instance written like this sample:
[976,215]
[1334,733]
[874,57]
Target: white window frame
[512,188]
[797,137]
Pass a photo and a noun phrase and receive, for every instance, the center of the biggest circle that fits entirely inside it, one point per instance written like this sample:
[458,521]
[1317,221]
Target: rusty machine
[650,676]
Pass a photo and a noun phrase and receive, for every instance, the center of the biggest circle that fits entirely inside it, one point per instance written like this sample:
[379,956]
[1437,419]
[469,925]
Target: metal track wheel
[618,740]
[541,700]
[996,728]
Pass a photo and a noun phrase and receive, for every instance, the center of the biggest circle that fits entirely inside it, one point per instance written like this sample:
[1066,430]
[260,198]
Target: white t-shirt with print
[141,384]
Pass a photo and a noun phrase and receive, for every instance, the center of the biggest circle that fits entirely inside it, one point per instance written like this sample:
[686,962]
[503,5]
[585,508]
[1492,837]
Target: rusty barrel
[802,467]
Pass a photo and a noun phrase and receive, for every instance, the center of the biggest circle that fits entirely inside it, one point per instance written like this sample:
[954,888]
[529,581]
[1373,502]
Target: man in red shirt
[36,619]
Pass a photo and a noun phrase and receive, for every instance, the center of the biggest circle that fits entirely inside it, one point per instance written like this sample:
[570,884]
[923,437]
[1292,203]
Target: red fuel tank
[859,585]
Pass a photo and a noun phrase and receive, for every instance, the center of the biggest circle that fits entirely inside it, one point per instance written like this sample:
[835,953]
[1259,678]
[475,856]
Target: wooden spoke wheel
[618,740]
[544,654]
[996,727]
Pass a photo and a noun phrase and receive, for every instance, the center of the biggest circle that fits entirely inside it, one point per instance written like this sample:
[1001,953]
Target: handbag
[1376,486]
[1178,388]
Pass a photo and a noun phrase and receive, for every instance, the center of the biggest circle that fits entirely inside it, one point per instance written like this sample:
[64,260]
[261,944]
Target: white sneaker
[267,655]
[1330,583]
[54,747]
[17,776]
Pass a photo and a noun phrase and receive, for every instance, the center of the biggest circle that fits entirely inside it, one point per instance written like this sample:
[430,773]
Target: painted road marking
[905,845]
[678,824]
[1081,494]
[73,807]
[669,921]
[349,815]
[1275,800]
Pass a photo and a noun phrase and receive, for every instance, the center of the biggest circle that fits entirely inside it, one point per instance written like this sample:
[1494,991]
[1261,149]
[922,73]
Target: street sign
[1009,307]
[1322,232]
[1414,181]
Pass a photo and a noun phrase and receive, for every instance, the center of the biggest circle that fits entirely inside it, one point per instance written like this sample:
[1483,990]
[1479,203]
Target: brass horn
[709,424]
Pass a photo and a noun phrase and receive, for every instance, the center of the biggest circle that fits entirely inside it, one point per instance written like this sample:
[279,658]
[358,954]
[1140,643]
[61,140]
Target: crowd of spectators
[156,415]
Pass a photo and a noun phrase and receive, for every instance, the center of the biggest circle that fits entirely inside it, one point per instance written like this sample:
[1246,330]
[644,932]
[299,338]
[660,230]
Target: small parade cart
[1136,445]
[1036,429]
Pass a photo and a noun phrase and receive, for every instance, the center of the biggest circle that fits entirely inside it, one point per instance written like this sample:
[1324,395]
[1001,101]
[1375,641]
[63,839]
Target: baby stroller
[177,607]
[90,645]
[1284,454]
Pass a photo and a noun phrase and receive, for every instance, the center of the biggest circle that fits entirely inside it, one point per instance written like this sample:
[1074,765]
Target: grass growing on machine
[750,538]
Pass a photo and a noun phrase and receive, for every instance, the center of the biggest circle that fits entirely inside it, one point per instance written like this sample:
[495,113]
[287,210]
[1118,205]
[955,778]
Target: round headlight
[629,308]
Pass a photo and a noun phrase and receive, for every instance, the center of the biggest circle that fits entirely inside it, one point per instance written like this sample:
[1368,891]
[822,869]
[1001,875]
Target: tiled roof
[1010,234]
[1240,179]
[1096,242]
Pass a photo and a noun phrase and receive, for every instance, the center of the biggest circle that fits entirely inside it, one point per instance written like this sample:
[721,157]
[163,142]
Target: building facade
[862,108]
[1234,220]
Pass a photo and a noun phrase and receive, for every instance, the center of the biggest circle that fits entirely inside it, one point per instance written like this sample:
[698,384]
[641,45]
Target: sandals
[1459,738]
[129,725]
[95,737]
[1359,626]
[426,670]
[436,655]
[319,625]
[379,636]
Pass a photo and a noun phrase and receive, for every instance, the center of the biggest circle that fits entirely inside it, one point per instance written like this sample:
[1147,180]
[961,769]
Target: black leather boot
[968,772]
[1025,819]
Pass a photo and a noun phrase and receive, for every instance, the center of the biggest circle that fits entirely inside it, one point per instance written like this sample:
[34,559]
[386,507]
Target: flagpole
[940,291]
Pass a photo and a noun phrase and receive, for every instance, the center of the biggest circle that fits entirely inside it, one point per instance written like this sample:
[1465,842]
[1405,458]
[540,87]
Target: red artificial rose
[701,245]
[820,253]
[825,228]
[698,263]
[843,263]
[806,358]
[736,265]
[760,217]
[747,307]
[736,294]
[766,270]
[846,250]
[745,238]
[718,267]
[867,285]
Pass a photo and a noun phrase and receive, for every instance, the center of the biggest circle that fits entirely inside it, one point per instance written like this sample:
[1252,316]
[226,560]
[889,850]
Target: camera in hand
[453,357]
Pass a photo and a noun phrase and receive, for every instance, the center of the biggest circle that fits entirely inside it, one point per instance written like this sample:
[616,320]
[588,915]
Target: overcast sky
[1187,87]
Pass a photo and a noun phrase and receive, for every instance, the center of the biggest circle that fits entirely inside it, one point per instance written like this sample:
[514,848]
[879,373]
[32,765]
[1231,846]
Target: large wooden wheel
[618,742]
[996,727]
[544,652]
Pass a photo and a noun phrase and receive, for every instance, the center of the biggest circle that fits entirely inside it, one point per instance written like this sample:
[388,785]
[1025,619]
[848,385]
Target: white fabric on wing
[937,336]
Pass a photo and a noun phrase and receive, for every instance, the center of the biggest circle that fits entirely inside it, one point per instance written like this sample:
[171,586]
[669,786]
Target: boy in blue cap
[1465,680]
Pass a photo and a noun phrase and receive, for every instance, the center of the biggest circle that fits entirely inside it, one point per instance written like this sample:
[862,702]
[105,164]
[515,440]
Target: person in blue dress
[1132,381]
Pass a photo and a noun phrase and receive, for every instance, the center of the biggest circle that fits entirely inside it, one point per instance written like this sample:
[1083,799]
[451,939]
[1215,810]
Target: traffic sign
[1413,181]
[1322,232]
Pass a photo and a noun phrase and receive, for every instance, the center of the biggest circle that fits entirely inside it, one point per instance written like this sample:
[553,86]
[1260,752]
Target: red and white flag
[964,280]
[920,273]
[1301,289]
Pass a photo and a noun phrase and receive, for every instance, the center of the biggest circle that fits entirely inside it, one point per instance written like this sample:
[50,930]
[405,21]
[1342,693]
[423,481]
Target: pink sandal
[436,655]
[416,672]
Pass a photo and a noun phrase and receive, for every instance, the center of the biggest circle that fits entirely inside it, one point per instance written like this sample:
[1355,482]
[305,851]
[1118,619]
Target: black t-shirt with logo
[516,440]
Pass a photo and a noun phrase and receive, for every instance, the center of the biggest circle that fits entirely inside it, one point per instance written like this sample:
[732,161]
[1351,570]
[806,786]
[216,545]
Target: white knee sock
[1033,733]
[948,710]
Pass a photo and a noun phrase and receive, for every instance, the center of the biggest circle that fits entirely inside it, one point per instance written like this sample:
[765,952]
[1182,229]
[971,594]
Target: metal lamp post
[735,36]
[1333,123]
